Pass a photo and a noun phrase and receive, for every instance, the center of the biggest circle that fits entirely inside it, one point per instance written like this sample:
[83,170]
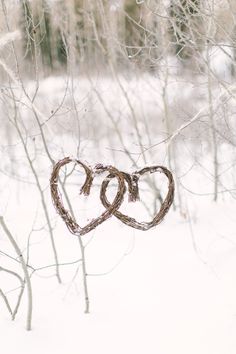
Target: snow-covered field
[172,292]
[169,290]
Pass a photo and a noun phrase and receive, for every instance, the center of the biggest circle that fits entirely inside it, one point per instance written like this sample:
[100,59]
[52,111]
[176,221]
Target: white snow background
[169,290]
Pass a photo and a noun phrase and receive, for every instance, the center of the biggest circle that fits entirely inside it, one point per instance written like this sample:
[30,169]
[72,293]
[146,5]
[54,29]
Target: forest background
[128,83]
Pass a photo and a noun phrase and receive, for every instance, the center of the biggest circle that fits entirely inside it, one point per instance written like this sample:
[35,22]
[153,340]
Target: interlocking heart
[111,208]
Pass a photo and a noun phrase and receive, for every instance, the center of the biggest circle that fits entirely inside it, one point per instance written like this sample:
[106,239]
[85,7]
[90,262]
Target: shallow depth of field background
[131,84]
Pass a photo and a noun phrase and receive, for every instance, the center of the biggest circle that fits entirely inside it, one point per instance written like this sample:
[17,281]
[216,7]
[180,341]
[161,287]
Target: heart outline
[132,181]
[65,214]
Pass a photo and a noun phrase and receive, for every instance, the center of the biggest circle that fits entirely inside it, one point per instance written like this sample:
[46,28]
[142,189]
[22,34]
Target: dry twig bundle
[134,190]
[71,223]
[111,208]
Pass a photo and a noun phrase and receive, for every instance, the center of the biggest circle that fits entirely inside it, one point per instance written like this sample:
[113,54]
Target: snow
[161,298]
[168,290]
[221,61]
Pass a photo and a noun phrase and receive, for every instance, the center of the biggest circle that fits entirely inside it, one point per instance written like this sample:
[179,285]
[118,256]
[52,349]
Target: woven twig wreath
[133,189]
[71,223]
[132,181]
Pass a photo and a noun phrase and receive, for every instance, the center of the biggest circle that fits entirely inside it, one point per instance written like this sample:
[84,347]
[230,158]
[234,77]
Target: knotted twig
[69,220]
[133,189]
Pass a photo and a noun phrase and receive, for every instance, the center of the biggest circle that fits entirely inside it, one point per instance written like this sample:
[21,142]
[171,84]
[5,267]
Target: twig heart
[132,181]
[67,215]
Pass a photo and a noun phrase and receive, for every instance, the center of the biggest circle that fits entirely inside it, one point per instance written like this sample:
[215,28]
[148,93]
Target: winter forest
[118,176]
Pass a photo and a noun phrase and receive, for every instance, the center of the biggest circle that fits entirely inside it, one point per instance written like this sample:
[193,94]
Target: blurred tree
[45,33]
[28,29]
[42,40]
[134,31]
[185,18]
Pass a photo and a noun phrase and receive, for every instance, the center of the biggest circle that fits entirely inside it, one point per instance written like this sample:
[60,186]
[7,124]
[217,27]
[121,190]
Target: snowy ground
[164,297]
[169,290]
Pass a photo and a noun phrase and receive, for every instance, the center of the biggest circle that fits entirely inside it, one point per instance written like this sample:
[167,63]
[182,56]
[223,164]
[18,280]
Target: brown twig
[70,221]
[133,189]
[111,208]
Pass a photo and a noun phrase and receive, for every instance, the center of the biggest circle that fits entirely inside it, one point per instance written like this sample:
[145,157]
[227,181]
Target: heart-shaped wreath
[131,180]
